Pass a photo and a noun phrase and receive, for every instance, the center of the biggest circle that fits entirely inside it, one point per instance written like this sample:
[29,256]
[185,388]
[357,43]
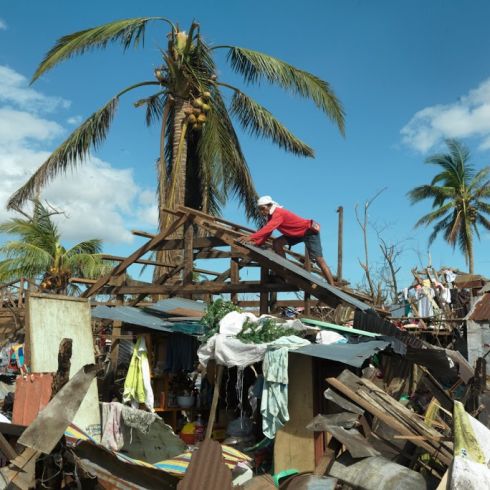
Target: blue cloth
[274,404]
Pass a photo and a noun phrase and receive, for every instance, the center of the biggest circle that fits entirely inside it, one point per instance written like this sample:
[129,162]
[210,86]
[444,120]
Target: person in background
[294,230]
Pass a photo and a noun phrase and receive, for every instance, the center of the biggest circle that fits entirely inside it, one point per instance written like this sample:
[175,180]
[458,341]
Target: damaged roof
[481,310]
[350,354]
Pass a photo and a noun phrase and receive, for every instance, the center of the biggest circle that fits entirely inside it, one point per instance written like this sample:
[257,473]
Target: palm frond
[454,230]
[126,32]
[219,144]
[483,221]
[90,134]
[438,194]
[254,66]
[154,107]
[89,265]
[93,246]
[431,217]
[260,122]
[443,224]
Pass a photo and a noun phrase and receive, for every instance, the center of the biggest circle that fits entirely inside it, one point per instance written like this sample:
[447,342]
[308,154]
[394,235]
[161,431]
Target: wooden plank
[161,280]
[279,303]
[388,419]
[199,242]
[150,245]
[212,254]
[214,403]
[295,446]
[264,294]
[307,295]
[188,253]
[116,258]
[234,272]
[210,287]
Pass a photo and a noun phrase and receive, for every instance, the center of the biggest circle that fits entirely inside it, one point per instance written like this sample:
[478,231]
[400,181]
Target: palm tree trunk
[172,190]
[470,257]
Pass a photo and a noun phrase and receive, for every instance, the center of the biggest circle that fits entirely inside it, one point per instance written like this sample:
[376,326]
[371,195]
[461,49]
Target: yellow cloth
[465,441]
[136,388]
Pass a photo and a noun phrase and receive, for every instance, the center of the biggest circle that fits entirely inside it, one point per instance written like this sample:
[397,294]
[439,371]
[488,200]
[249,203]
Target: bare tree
[374,290]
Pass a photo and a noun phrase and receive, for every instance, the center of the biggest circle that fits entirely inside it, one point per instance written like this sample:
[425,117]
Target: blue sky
[409,74]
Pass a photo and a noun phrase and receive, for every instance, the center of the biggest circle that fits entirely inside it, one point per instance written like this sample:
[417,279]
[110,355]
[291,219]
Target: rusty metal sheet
[481,311]
[114,473]
[207,469]
[32,394]
[50,425]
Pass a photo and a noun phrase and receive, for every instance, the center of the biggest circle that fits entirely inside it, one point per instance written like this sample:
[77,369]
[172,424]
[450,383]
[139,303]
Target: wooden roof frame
[201,233]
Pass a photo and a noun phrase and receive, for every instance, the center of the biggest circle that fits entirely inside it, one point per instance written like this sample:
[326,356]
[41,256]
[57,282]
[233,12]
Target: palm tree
[37,253]
[459,194]
[201,162]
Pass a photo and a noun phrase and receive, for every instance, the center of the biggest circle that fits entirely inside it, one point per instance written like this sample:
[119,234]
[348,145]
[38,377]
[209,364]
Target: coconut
[192,119]
[201,118]
[206,107]
[197,102]
[206,95]
[196,111]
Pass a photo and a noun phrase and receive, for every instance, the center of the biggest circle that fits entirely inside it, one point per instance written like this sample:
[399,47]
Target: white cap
[264,201]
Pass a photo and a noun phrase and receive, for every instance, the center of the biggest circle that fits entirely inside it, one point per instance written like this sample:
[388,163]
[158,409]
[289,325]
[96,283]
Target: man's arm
[260,236]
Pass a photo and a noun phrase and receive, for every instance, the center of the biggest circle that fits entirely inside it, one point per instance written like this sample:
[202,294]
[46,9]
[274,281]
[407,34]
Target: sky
[409,75]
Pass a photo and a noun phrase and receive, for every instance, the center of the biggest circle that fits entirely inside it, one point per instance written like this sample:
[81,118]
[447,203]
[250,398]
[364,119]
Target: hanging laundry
[137,387]
[112,434]
[181,353]
[426,306]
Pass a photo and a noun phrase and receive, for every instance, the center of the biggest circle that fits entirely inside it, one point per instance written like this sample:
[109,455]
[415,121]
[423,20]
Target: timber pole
[340,247]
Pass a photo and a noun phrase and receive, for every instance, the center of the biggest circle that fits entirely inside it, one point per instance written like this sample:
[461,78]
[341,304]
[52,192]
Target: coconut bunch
[54,279]
[196,115]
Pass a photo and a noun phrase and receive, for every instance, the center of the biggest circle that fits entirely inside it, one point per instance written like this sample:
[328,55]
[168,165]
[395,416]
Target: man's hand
[245,239]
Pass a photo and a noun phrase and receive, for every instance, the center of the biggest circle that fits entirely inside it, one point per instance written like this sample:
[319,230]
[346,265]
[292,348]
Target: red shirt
[286,222]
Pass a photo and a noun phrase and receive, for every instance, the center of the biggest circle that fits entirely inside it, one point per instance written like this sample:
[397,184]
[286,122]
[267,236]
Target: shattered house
[250,373]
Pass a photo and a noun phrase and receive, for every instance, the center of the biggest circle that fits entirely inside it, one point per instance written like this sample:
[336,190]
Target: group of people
[294,230]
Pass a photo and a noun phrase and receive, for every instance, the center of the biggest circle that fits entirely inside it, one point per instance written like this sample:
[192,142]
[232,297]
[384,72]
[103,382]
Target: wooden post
[234,273]
[214,403]
[62,375]
[20,294]
[340,210]
[188,255]
[264,295]
[307,295]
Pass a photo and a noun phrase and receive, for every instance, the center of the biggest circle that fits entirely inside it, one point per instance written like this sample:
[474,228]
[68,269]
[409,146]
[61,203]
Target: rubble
[278,392]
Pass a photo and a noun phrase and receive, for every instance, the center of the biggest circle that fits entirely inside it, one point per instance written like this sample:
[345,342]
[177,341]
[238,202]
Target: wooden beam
[199,242]
[206,272]
[144,234]
[212,254]
[264,294]
[162,279]
[280,303]
[234,273]
[150,245]
[209,287]
[116,258]
[188,254]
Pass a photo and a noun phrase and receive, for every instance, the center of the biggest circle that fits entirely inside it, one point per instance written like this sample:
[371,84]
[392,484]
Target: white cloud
[74,120]
[3,25]
[16,91]
[99,200]
[468,117]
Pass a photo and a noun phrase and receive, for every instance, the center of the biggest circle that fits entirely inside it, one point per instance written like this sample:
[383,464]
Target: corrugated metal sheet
[207,469]
[177,307]
[135,316]
[323,289]
[339,328]
[32,394]
[481,311]
[350,354]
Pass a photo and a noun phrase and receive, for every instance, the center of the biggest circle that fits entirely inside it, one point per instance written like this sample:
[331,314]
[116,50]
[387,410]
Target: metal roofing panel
[177,307]
[351,354]
[323,288]
[481,311]
[339,328]
[32,394]
[135,316]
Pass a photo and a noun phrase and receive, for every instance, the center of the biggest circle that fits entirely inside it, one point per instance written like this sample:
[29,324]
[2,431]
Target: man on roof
[294,230]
